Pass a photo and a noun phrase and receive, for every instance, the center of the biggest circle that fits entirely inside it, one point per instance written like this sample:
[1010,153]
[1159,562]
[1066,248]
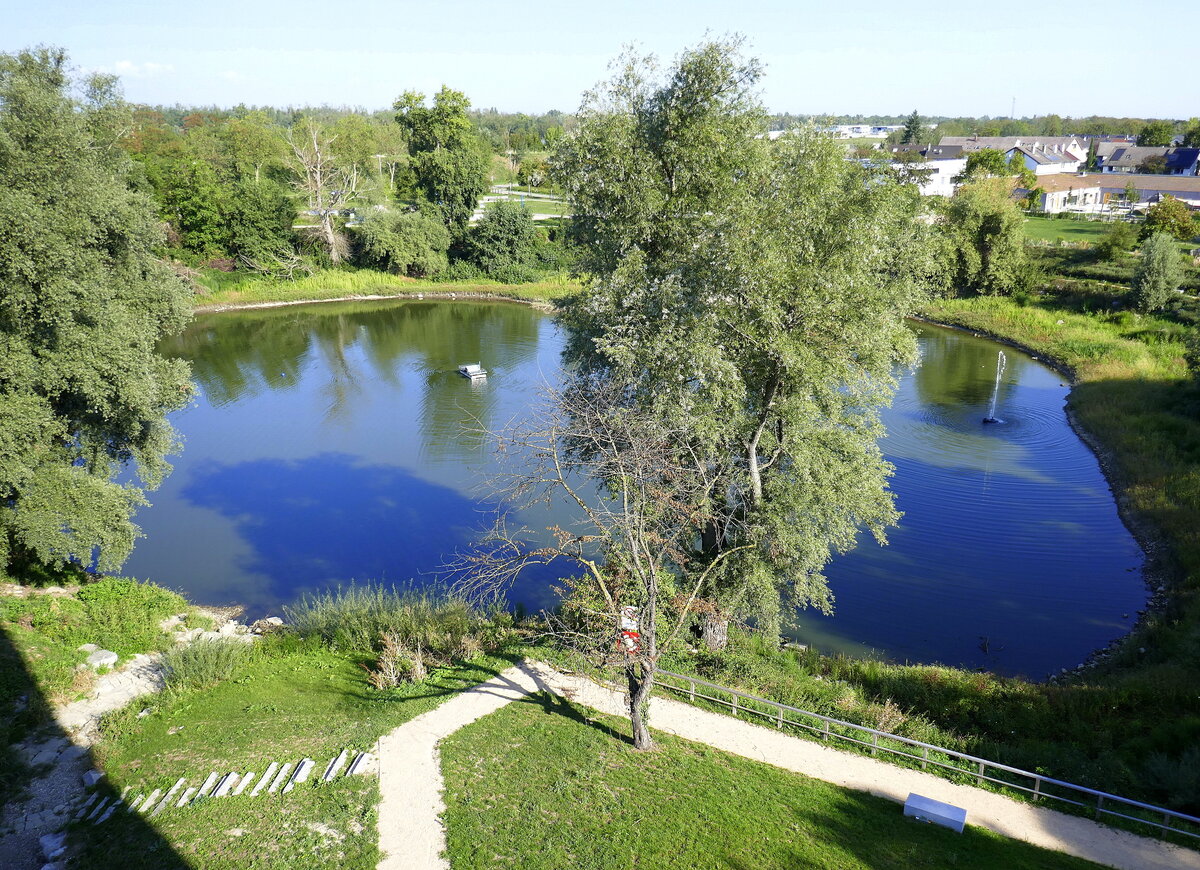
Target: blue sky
[866,56]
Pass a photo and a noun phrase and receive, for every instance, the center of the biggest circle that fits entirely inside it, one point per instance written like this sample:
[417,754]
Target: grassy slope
[531,787]
[337,284]
[290,699]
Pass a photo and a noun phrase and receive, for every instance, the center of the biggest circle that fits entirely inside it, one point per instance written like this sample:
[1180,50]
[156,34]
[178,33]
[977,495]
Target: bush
[1118,241]
[503,245]
[204,663]
[408,243]
[1158,274]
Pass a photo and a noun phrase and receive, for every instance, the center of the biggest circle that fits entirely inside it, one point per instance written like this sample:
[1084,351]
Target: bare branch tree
[640,501]
[328,186]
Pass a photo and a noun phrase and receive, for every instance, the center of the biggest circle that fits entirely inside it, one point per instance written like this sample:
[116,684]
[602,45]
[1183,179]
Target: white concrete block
[52,843]
[283,772]
[266,779]
[169,796]
[187,796]
[99,807]
[136,802]
[926,809]
[92,777]
[86,805]
[303,769]
[246,780]
[209,782]
[103,658]
[334,766]
[225,785]
[150,801]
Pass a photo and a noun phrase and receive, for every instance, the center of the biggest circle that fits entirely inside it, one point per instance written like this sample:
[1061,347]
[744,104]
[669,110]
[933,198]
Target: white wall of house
[940,181]
[1078,199]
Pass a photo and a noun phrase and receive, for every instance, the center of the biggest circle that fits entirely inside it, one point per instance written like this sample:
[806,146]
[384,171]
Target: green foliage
[1191,137]
[204,663]
[749,294]
[1117,241]
[449,165]
[503,244]
[258,221]
[1171,216]
[409,243]
[193,202]
[1158,273]
[1157,133]
[356,618]
[985,239]
[984,163]
[83,304]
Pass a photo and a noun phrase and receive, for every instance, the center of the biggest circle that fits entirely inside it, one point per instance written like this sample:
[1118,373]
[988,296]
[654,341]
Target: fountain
[991,414]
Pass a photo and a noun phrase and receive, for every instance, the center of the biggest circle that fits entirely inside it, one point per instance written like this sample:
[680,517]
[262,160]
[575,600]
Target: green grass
[351,283]
[1044,229]
[542,784]
[316,825]
[285,699]
[541,206]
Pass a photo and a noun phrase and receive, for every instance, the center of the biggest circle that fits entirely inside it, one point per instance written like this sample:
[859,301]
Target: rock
[265,626]
[92,777]
[103,658]
[61,809]
[53,844]
[87,647]
[74,752]
[144,712]
[46,756]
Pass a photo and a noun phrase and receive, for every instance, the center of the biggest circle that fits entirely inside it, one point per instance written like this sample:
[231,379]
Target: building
[938,169]
[1072,145]
[1043,162]
[1101,193]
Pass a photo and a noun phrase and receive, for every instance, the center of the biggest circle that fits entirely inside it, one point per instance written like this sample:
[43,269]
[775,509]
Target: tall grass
[204,663]
[359,617]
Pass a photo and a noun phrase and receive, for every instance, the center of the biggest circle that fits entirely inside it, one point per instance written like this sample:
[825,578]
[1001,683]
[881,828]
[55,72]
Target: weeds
[204,663]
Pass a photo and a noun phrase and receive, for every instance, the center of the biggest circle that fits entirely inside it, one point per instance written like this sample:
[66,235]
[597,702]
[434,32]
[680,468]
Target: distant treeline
[1041,125]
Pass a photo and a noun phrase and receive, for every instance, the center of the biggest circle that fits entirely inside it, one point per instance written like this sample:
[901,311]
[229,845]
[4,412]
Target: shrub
[204,663]
[409,243]
[1117,241]
[124,615]
[504,243]
[1158,274]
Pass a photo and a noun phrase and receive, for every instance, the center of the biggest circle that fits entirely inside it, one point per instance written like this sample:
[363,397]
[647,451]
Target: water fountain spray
[1001,361]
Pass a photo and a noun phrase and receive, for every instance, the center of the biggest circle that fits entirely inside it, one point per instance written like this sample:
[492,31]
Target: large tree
[1157,133]
[745,300]
[914,130]
[985,242]
[83,304]
[448,162]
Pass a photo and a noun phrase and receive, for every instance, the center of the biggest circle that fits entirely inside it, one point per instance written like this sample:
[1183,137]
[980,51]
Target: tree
[449,165]
[193,202]
[745,309]
[914,130]
[258,219]
[1158,273]
[1157,133]
[986,242]
[1155,164]
[409,243]
[1117,241]
[984,163]
[327,185]
[1171,216]
[254,143]
[1191,137]
[83,304]
[1132,196]
[503,243]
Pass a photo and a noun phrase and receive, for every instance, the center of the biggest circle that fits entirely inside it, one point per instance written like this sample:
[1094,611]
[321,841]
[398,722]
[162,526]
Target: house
[1043,162]
[1071,145]
[1130,159]
[938,169]
[1100,193]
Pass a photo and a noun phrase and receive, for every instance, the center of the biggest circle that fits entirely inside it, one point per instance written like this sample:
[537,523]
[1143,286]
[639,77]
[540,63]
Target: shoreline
[404,295]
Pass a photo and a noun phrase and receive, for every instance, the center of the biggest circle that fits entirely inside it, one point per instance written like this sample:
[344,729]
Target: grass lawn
[1046,229]
[530,787]
[290,699]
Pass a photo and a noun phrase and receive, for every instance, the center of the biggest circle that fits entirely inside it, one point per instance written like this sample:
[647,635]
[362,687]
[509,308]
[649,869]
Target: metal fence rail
[980,769]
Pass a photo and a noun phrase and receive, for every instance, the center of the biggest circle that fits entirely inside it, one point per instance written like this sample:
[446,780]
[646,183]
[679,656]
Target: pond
[337,442]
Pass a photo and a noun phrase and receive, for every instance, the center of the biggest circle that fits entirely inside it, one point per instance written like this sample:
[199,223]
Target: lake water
[337,442]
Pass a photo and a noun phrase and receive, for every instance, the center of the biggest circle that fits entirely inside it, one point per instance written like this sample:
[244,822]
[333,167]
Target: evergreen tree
[83,304]
[914,130]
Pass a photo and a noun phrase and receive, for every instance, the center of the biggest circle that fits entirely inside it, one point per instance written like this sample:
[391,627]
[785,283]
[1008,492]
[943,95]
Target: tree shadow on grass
[28,732]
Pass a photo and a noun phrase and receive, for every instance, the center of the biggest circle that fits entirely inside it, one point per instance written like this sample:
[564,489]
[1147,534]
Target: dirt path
[410,779]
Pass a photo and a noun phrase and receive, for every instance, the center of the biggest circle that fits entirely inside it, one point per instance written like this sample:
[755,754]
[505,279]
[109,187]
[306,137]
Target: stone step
[266,779]
[283,772]
[303,769]
[334,766]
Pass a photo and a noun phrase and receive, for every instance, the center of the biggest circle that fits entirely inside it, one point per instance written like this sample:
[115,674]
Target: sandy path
[410,779]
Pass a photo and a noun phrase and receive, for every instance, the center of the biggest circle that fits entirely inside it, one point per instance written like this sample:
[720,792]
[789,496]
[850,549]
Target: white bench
[928,810]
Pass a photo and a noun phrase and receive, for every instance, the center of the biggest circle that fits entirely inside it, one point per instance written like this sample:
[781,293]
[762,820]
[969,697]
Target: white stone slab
[207,786]
[99,808]
[283,772]
[92,777]
[187,795]
[136,802]
[246,780]
[168,797]
[303,769]
[266,779]
[364,764]
[103,658]
[150,801]
[228,781]
[334,766]
[86,805]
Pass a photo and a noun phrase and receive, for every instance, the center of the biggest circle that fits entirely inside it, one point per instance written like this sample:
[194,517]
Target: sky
[865,57]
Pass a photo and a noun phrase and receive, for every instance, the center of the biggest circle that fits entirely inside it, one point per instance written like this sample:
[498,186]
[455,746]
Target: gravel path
[410,779]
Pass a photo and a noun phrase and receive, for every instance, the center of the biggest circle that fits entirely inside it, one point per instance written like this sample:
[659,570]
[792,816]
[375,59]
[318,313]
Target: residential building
[1099,193]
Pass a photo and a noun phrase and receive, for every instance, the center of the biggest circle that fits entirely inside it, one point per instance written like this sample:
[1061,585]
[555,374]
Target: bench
[928,810]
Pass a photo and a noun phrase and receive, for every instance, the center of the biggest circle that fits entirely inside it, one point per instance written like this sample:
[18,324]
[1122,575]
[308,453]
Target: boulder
[92,777]
[87,647]
[265,626]
[103,658]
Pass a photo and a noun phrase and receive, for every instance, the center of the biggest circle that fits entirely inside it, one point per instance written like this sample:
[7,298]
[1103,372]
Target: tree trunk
[714,631]
[641,681]
[332,242]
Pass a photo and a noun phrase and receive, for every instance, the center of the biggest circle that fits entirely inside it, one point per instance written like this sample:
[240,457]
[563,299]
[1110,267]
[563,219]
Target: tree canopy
[1171,216]
[1157,133]
[83,303]
[1158,273]
[986,246]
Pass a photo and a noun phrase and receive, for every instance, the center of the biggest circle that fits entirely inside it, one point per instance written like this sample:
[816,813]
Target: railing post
[824,729]
[734,705]
[780,717]
[979,775]
[692,692]
[925,759]
[1099,805]
[1037,788]
[874,743]
[1162,832]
